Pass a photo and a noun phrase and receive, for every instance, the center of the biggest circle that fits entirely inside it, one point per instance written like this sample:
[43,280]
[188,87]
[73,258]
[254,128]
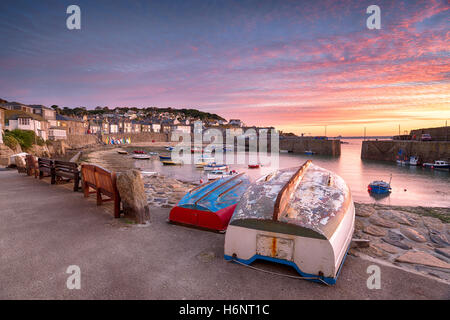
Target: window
[24,121]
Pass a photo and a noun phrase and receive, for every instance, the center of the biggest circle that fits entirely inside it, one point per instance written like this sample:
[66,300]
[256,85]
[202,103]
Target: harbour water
[411,186]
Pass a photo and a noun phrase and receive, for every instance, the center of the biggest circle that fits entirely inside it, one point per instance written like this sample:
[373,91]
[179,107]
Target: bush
[40,141]
[26,138]
[10,141]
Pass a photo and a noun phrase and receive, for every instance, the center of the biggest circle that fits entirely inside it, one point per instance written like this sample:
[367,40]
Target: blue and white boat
[215,166]
[211,204]
[165,158]
[379,187]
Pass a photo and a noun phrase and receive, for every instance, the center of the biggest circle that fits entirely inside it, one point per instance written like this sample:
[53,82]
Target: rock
[386,247]
[375,252]
[132,194]
[375,231]
[5,154]
[412,234]
[439,238]
[364,211]
[359,225]
[423,258]
[20,163]
[376,220]
[433,223]
[443,251]
[395,216]
[396,239]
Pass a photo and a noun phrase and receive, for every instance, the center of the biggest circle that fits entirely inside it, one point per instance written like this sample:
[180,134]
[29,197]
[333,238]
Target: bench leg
[53,178]
[99,198]
[85,189]
[116,206]
[76,183]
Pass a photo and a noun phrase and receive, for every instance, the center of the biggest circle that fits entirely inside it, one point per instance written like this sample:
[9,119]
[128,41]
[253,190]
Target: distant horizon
[300,66]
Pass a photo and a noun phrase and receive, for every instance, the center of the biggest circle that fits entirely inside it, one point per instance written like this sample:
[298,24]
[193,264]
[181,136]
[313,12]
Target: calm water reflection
[410,185]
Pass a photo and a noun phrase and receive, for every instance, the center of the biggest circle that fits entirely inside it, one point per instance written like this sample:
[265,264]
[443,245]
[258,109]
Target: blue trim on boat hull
[328,280]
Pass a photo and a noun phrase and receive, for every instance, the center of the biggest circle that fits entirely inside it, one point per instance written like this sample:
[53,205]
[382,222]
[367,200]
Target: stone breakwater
[409,237]
[165,192]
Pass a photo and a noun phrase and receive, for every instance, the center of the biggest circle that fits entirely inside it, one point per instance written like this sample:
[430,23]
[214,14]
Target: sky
[300,66]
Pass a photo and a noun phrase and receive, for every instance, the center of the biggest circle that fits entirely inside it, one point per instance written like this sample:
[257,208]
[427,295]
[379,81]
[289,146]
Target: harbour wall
[387,150]
[320,147]
[138,137]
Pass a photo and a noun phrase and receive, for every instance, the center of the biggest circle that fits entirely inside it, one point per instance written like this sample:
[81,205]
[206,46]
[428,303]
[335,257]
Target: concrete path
[46,228]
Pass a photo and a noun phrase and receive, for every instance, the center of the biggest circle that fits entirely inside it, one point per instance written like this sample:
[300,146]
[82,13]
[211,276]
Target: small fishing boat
[196,150]
[165,158]
[168,148]
[217,174]
[214,166]
[151,153]
[253,166]
[283,151]
[171,163]
[413,161]
[309,152]
[122,152]
[141,156]
[379,187]
[201,164]
[139,152]
[301,217]
[211,204]
[438,164]
[207,159]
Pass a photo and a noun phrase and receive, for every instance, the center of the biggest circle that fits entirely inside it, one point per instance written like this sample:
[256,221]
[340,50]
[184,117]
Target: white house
[26,121]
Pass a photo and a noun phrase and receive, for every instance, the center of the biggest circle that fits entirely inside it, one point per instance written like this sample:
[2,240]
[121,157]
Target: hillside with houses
[55,123]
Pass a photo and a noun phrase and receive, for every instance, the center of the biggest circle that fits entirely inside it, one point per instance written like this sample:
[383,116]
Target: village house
[16,119]
[235,123]
[17,106]
[94,127]
[135,127]
[45,112]
[156,127]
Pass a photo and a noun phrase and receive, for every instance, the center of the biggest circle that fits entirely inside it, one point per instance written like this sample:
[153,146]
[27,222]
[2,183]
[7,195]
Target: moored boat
[171,163]
[379,187]
[168,148]
[438,164]
[413,161]
[141,156]
[165,158]
[214,166]
[309,152]
[139,152]
[122,152]
[301,217]
[211,204]
[253,166]
[217,174]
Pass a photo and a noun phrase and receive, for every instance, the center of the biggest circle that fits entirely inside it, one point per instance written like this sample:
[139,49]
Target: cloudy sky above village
[296,65]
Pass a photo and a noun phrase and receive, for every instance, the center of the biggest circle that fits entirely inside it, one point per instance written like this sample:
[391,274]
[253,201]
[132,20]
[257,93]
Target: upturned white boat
[302,217]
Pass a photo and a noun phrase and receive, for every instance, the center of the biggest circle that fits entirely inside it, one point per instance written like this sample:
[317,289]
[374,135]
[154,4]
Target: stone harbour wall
[427,151]
[320,147]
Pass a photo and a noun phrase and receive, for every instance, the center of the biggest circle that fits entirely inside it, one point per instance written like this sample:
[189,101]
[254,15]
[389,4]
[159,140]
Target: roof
[61,117]
[16,114]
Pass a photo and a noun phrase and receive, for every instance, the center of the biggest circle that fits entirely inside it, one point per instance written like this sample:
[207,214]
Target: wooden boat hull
[165,158]
[210,205]
[304,219]
[217,221]
[247,245]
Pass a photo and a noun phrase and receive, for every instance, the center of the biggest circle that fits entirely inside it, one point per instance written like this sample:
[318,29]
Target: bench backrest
[99,178]
[66,167]
[88,173]
[45,163]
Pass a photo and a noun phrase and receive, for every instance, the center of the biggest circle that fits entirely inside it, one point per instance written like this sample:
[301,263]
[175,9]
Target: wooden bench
[32,166]
[103,182]
[47,169]
[67,170]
